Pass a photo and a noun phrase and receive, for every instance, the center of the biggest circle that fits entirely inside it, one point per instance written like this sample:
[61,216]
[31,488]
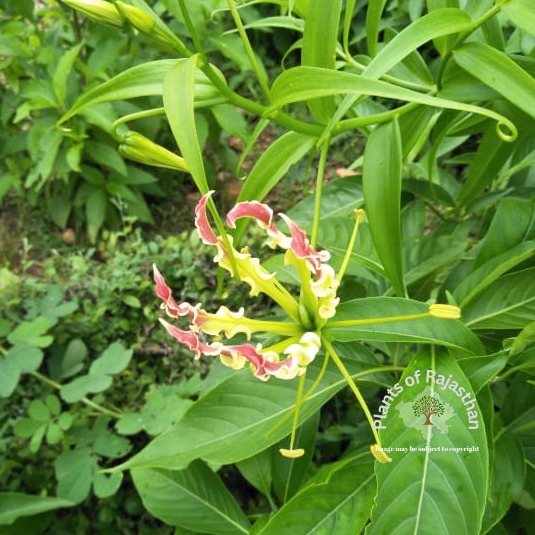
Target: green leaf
[95,210]
[450,333]
[381,184]
[338,499]
[517,411]
[65,420]
[81,386]
[52,305]
[236,419]
[110,445]
[521,13]
[339,198]
[178,99]
[71,362]
[490,271]
[305,83]
[112,361]
[401,47]
[481,370]
[499,72]
[525,338]
[257,470]
[271,167]
[63,69]
[9,377]
[37,438]
[508,303]
[74,472]
[132,301]
[107,156]
[54,433]
[319,47]
[509,472]
[139,81]
[438,23]
[25,427]
[38,411]
[162,410]
[26,358]
[106,485]
[274,163]
[194,498]
[373,23]
[512,224]
[32,333]
[53,403]
[431,491]
[15,505]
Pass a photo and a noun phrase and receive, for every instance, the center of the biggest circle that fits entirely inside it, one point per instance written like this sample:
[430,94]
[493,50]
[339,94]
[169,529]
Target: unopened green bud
[138,18]
[137,147]
[97,10]
[149,25]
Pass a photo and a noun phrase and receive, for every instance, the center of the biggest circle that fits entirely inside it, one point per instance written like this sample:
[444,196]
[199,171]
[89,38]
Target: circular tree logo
[427,406]
[426,413]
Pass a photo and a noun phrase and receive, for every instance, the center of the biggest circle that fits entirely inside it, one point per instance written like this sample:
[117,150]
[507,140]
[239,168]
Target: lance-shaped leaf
[508,303]
[139,81]
[319,47]
[179,100]
[499,72]
[345,325]
[304,83]
[381,183]
[193,499]
[491,270]
[522,14]
[509,472]
[337,499]
[272,165]
[237,418]
[429,487]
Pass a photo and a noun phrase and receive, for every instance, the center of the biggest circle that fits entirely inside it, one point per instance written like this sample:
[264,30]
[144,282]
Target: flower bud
[97,10]
[148,25]
[137,147]
[138,18]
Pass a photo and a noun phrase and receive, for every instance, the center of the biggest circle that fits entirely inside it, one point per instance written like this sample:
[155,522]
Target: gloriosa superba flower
[301,334]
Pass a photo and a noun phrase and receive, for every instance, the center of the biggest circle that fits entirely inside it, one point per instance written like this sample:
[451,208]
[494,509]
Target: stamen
[379,454]
[448,312]
[292,453]
[359,218]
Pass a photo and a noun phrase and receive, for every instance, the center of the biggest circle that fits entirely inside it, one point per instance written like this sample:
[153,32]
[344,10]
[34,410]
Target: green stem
[319,191]
[135,116]
[514,369]
[391,79]
[248,48]
[347,376]
[84,400]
